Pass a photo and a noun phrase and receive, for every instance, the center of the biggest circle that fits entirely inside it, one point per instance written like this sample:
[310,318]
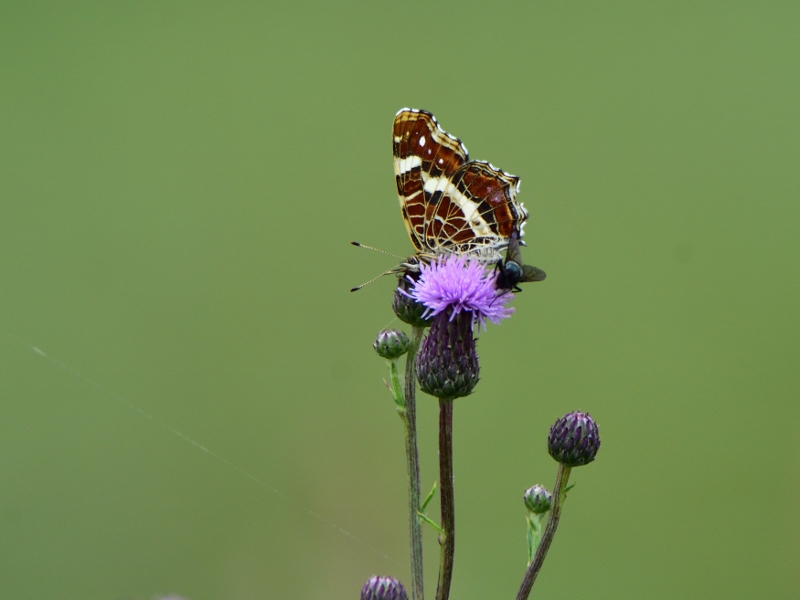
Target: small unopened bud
[537,499]
[383,588]
[406,308]
[574,439]
[391,344]
[447,363]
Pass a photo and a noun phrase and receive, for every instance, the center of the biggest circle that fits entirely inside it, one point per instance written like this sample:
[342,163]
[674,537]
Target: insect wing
[513,253]
[531,273]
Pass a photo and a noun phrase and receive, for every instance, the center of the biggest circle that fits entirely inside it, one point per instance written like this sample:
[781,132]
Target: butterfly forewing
[420,146]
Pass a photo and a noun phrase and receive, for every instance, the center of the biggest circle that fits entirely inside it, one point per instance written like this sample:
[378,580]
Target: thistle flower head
[574,439]
[537,499]
[391,344]
[406,307]
[447,363]
[456,284]
[383,588]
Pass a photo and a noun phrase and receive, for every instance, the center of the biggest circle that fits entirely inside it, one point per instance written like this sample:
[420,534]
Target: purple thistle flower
[459,284]
[574,439]
[447,363]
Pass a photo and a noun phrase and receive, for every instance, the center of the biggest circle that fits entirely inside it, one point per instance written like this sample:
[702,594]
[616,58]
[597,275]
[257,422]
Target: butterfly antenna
[360,245]
[358,287]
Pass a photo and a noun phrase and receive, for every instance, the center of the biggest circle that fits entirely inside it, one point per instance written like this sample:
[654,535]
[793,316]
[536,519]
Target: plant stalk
[559,495]
[412,461]
[447,539]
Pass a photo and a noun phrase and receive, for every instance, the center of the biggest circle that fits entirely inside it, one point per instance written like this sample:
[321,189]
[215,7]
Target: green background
[179,182]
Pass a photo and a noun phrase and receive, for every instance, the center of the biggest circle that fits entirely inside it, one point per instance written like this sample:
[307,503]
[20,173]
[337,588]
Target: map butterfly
[452,205]
[449,203]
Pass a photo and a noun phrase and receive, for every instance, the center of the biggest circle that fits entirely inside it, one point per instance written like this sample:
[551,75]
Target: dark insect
[512,272]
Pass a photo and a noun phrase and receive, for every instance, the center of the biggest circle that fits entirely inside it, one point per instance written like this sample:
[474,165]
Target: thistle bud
[383,588]
[574,439]
[537,499]
[391,344]
[407,308]
[447,363]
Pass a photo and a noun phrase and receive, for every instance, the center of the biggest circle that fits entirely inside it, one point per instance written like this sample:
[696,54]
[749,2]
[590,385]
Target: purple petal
[456,283]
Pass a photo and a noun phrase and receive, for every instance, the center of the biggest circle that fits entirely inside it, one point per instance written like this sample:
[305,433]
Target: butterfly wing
[451,204]
[474,212]
[421,150]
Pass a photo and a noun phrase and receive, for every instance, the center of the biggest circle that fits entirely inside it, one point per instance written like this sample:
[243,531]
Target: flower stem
[397,389]
[447,539]
[559,495]
[412,461]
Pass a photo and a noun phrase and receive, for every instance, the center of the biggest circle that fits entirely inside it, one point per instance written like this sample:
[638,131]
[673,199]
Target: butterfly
[453,205]
[449,203]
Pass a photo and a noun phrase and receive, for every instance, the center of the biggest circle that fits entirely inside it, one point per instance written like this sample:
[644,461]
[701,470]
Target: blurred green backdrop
[180,181]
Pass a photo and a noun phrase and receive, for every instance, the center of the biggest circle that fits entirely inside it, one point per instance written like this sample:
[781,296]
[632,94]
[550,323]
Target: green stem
[559,495]
[397,389]
[447,539]
[534,534]
[409,416]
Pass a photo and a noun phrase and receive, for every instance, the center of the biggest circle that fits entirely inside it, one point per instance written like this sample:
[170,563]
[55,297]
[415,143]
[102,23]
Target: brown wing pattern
[451,205]
[418,145]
